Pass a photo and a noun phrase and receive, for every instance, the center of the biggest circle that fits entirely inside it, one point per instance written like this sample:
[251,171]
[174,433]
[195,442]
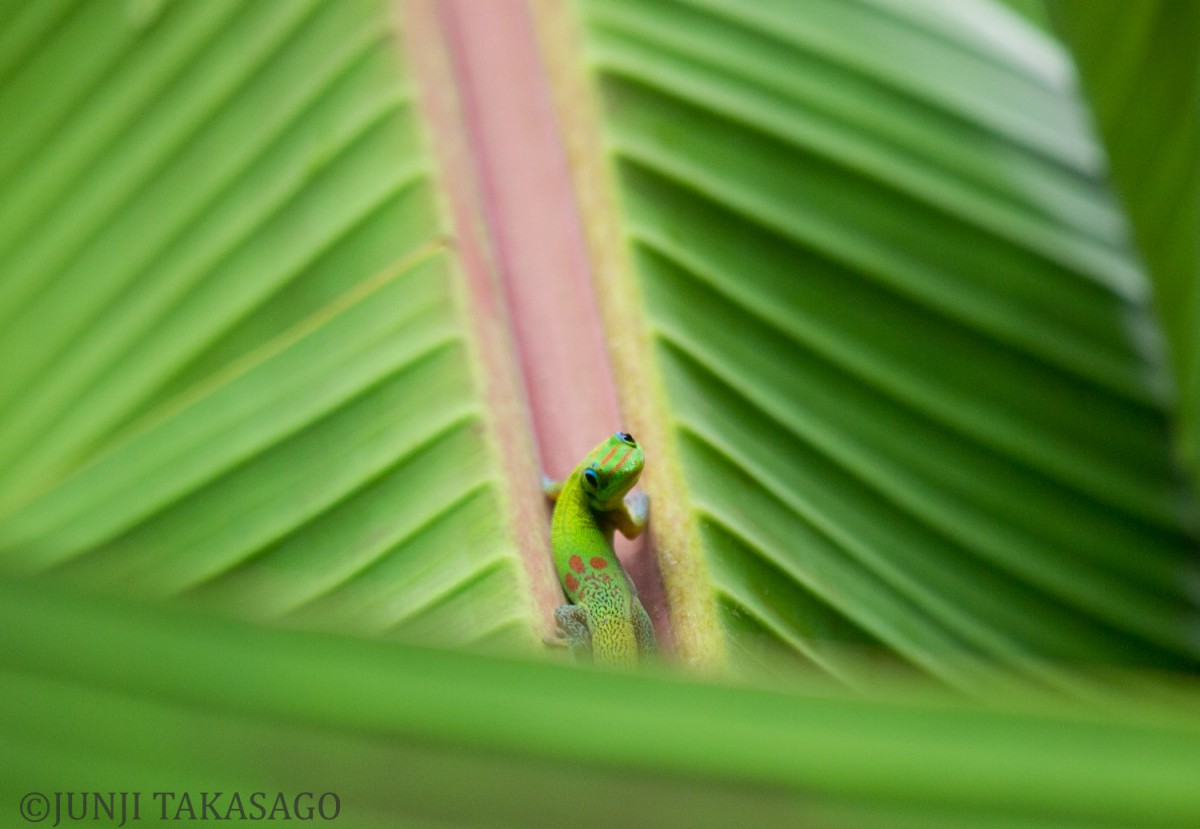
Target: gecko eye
[589,475]
[627,438]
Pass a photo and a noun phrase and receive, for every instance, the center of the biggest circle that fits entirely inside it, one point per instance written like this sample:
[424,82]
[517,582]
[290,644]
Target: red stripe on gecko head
[624,458]
[611,452]
[571,582]
[598,563]
[576,564]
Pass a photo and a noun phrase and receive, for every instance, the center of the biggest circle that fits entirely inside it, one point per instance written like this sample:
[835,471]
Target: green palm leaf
[416,737]
[869,296]
[241,293]
[912,394]
[1151,137]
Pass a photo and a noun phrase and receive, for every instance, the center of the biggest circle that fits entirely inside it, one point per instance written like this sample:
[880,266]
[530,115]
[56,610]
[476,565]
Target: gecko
[605,617]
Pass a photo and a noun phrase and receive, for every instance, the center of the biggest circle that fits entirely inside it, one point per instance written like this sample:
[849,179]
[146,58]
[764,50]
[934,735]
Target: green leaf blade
[242,377]
[917,397]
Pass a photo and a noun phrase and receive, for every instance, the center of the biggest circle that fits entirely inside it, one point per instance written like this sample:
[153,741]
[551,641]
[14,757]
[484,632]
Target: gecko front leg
[551,488]
[630,518]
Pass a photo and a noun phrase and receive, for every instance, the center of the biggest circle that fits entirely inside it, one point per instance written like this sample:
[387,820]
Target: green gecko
[605,616]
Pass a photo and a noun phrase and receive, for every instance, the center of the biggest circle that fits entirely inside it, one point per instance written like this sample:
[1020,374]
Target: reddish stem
[532,218]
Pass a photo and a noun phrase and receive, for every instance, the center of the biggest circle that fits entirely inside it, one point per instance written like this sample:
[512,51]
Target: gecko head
[612,468]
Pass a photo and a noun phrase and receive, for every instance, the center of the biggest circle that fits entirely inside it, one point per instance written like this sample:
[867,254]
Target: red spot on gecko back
[571,582]
[598,563]
[576,564]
